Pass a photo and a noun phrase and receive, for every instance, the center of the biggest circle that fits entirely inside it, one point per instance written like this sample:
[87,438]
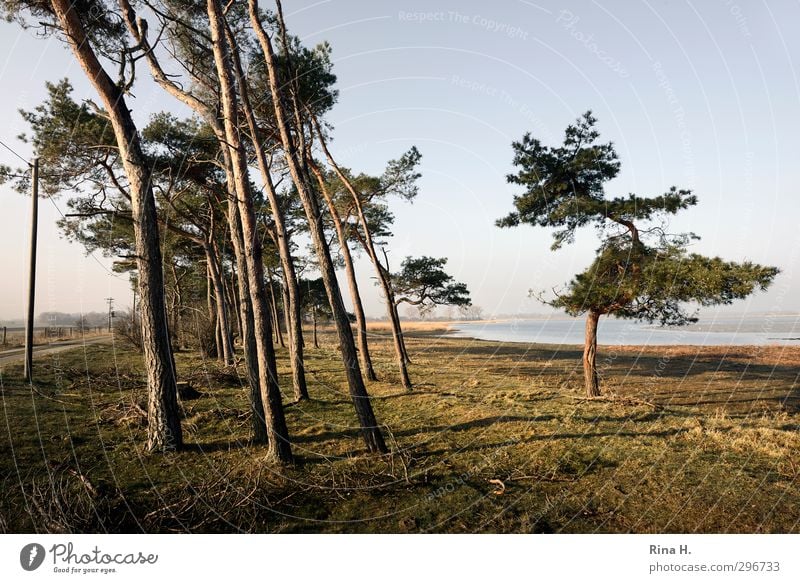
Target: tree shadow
[551,437]
[649,372]
[475,424]
[216,446]
[455,427]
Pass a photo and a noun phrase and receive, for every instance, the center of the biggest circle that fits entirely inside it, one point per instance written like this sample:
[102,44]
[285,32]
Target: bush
[127,326]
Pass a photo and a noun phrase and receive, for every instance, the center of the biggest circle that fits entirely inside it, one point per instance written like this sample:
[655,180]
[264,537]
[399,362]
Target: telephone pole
[32,273]
[110,311]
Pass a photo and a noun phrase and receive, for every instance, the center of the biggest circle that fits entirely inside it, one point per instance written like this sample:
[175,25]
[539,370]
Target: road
[18,354]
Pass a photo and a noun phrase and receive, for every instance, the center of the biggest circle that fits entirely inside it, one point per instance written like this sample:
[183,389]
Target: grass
[494,438]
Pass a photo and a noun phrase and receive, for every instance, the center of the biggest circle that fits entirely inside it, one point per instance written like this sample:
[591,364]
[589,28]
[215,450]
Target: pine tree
[641,271]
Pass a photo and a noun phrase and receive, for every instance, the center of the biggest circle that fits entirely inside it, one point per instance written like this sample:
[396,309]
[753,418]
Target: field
[15,337]
[494,438]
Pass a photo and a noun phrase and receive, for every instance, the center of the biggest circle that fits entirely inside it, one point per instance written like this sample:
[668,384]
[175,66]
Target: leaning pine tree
[97,39]
[640,272]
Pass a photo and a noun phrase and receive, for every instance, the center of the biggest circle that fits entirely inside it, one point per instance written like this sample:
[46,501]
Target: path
[15,354]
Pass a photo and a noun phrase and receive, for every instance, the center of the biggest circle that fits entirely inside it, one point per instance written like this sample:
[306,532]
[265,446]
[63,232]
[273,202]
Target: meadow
[493,438]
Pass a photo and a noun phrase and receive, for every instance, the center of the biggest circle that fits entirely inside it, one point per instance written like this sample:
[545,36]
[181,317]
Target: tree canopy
[564,187]
[423,282]
[641,271]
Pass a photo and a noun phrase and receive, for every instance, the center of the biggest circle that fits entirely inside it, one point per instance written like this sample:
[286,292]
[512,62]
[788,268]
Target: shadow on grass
[650,374]
[215,446]
[490,422]
[551,437]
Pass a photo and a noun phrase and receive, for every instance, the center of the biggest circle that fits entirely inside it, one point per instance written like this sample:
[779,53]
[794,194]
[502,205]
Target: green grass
[494,438]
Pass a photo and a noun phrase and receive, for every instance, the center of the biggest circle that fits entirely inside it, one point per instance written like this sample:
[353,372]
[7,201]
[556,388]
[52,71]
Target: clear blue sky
[704,95]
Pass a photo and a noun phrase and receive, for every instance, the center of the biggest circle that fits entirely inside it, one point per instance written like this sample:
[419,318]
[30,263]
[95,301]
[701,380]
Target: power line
[50,198]
[10,149]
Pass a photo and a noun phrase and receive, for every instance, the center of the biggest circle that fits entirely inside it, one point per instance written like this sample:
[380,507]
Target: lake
[719,331]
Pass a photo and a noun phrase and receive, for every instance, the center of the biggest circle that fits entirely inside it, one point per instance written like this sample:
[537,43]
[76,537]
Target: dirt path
[18,354]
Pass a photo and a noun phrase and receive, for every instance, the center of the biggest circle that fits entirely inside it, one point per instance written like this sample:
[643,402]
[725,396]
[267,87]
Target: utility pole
[110,311]
[32,273]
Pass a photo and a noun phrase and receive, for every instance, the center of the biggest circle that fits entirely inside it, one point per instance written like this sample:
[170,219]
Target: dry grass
[411,326]
[494,438]
[15,337]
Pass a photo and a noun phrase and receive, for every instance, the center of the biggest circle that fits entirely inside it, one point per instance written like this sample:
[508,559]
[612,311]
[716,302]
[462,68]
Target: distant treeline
[61,320]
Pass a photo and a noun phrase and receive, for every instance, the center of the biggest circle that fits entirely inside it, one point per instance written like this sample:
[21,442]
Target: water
[742,330]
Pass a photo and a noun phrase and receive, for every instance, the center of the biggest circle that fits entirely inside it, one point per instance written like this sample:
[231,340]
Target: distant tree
[314,300]
[81,324]
[471,312]
[641,271]
[422,282]
[126,325]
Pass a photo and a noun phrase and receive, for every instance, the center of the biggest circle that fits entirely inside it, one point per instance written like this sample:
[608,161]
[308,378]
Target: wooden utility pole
[110,312]
[32,273]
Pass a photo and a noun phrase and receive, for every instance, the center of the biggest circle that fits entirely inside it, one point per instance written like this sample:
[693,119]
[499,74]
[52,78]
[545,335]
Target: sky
[700,95]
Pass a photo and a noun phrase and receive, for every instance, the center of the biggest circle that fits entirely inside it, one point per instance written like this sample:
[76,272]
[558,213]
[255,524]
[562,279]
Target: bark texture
[591,381]
[163,428]
[279,446]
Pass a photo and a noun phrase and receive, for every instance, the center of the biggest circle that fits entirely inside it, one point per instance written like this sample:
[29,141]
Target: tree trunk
[355,295]
[294,328]
[370,431]
[226,344]
[248,337]
[211,305]
[279,446]
[284,249]
[590,355]
[397,338]
[163,427]
[295,321]
[286,321]
[218,339]
[177,328]
[398,330]
[231,286]
[381,271]
[314,320]
[275,313]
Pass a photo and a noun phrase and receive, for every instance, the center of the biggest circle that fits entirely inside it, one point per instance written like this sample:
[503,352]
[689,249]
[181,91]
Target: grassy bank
[494,438]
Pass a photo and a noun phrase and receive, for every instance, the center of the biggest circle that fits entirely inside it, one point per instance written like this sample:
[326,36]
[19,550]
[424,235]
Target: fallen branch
[501,487]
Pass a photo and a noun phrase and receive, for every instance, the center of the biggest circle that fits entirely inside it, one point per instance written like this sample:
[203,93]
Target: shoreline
[448,328]
[771,345]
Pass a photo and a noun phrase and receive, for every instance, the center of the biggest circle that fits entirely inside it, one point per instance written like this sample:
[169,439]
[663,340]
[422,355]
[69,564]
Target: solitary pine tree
[641,272]
[422,282]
